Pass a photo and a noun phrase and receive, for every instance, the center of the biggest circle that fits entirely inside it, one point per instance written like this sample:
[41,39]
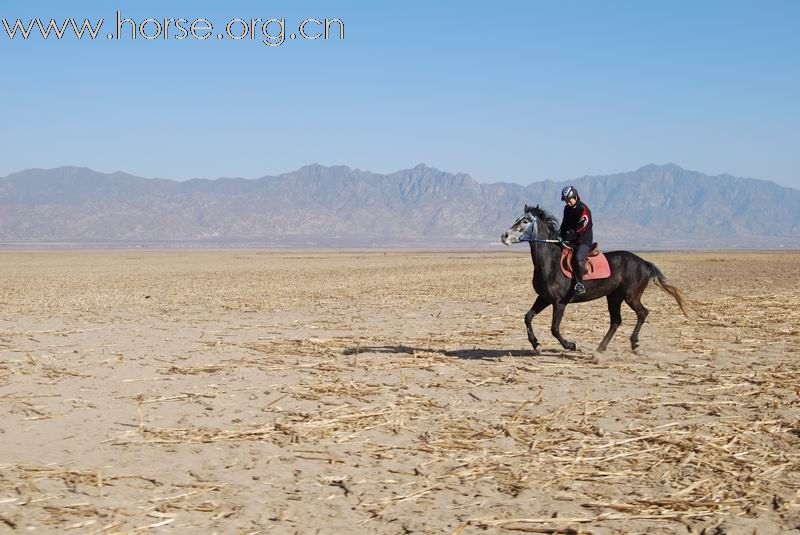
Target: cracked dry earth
[245,391]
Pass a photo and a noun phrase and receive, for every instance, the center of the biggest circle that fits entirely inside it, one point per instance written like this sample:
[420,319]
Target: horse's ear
[527,209]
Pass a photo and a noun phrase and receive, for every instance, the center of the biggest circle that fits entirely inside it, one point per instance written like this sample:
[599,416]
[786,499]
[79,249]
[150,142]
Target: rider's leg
[578,261]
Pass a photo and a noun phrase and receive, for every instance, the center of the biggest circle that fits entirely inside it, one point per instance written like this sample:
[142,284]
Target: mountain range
[654,207]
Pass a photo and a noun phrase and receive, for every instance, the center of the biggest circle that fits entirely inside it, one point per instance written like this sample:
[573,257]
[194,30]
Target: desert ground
[247,391]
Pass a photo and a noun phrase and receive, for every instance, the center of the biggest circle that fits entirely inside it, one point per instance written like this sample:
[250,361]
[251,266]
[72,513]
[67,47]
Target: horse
[629,277]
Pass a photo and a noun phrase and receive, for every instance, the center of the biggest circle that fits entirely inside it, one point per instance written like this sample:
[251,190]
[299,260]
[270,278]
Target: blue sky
[516,91]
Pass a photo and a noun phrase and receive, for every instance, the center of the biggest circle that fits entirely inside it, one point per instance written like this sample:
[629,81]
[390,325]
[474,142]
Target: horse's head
[523,229]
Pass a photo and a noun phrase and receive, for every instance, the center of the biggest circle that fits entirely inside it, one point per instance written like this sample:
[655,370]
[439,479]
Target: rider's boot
[580,289]
[577,276]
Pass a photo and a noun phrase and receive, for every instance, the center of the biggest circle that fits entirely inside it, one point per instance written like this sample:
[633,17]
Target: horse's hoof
[600,349]
[536,352]
[570,346]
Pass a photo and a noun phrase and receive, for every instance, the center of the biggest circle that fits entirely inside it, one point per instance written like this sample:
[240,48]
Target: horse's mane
[546,217]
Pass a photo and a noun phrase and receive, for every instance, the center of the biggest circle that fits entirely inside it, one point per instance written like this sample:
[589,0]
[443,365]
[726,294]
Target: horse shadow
[464,354]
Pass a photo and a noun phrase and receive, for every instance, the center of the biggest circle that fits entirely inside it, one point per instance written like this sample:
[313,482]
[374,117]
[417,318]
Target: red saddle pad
[596,265]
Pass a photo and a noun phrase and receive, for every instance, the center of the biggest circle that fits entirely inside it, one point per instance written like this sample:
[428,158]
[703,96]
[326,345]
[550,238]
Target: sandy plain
[247,391]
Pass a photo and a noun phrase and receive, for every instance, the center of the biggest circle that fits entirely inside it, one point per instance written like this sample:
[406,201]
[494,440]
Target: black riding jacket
[577,218]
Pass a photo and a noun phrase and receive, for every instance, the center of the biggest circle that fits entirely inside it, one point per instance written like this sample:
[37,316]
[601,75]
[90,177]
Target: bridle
[534,240]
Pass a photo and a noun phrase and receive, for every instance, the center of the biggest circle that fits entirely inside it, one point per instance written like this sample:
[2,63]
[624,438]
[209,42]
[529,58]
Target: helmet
[568,193]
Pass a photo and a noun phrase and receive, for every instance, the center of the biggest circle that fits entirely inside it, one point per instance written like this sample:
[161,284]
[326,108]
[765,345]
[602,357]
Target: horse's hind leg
[614,305]
[538,305]
[558,313]
[641,314]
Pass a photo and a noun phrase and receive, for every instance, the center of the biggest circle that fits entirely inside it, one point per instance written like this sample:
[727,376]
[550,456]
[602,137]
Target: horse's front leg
[558,313]
[540,304]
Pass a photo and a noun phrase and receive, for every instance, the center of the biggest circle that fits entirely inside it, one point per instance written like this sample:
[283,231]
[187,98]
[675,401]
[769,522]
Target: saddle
[596,266]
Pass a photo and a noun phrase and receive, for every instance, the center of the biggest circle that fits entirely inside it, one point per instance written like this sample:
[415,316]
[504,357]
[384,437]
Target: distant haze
[656,206]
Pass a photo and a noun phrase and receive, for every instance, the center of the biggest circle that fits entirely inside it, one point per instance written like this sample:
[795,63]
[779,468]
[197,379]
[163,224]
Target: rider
[576,230]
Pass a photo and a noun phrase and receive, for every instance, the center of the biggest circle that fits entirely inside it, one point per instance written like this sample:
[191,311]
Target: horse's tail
[660,280]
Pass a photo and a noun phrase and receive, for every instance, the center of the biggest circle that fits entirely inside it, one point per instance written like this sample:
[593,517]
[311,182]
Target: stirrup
[580,289]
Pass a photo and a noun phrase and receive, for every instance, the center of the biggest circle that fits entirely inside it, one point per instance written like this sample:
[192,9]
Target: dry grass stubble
[256,391]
